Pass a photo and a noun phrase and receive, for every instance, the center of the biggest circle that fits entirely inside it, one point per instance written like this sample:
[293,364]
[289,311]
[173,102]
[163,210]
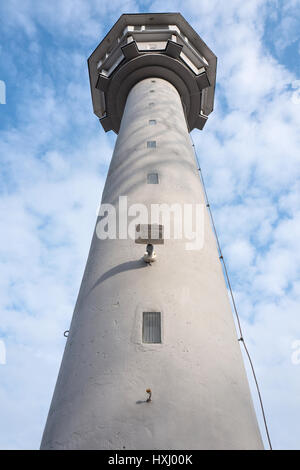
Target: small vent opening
[152,178]
[151,327]
[151,144]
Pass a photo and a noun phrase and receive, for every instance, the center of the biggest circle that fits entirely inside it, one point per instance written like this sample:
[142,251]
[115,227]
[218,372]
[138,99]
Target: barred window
[152,178]
[151,144]
[151,327]
[149,233]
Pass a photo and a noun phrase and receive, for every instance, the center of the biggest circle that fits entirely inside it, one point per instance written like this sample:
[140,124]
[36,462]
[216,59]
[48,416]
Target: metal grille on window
[160,26]
[149,233]
[151,144]
[151,327]
[152,178]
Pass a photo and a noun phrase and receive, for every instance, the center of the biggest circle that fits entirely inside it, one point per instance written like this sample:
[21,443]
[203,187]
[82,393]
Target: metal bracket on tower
[173,49]
[130,51]
[202,81]
[102,83]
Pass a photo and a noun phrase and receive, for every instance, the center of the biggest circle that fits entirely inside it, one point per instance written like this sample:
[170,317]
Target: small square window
[152,122]
[151,327]
[151,144]
[153,81]
[151,91]
[149,233]
[152,178]
[151,104]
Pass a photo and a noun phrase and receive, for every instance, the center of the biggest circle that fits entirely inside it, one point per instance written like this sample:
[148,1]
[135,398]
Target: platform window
[151,327]
[152,122]
[151,144]
[152,178]
[159,26]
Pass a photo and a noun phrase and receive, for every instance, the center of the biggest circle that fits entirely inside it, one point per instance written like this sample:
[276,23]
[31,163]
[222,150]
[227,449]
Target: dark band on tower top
[141,46]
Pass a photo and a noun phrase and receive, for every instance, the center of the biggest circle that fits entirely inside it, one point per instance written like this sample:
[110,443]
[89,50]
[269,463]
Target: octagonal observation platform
[148,45]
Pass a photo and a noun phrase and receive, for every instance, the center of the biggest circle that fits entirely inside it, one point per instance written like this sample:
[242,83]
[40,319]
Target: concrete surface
[200,393]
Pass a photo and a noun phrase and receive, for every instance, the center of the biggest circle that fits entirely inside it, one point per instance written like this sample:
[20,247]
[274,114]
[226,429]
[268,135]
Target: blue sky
[54,158]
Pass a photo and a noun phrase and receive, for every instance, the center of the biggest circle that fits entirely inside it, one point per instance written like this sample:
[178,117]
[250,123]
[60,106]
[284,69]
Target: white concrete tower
[168,326]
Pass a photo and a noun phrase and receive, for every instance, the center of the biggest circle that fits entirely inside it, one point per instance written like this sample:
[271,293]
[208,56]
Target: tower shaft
[167,327]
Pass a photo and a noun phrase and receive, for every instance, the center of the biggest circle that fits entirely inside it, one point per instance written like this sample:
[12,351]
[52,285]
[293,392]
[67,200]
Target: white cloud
[68,18]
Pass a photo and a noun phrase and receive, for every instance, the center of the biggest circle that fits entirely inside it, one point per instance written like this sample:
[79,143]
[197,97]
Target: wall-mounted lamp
[149,255]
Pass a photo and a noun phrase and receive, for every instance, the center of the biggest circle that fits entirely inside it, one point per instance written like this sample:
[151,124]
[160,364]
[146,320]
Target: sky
[54,159]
